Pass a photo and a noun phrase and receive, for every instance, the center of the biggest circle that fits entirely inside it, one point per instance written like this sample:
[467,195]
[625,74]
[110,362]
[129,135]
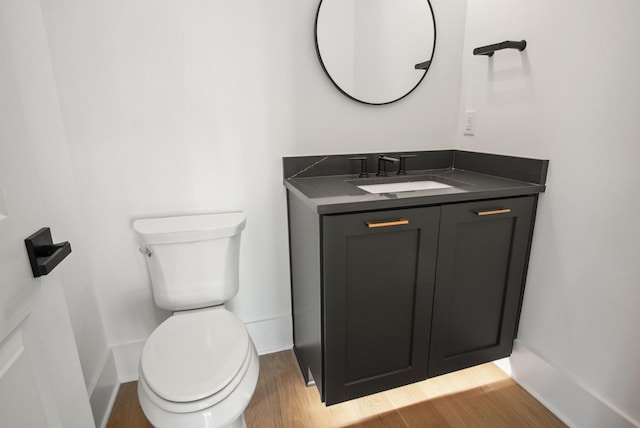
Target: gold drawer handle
[494,212]
[400,222]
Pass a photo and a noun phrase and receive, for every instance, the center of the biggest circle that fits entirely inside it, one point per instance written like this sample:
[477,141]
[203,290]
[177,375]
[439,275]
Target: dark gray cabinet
[482,256]
[385,298]
[378,272]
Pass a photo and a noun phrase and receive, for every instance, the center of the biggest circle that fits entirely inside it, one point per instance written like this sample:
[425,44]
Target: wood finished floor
[481,396]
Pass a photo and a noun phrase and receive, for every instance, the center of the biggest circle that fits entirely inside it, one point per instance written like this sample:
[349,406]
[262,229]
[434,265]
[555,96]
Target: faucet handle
[401,167]
[363,166]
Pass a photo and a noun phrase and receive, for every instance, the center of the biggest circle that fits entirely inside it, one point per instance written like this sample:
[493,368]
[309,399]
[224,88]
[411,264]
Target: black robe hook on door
[44,255]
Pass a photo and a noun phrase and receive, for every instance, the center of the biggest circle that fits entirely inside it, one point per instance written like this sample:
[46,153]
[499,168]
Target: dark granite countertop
[328,184]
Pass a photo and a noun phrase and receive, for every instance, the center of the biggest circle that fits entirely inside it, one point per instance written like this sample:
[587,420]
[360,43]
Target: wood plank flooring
[126,412]
[481,396]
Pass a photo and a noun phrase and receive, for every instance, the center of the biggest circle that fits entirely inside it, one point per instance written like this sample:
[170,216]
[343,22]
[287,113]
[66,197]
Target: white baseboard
[271,335]
[103,393]
[574,404]
[127,359]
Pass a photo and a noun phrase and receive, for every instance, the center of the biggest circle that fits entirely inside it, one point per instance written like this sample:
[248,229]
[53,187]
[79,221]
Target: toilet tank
[192,259]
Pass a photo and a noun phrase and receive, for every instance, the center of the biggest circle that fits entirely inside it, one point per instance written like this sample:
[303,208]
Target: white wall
[573,96]
[186,106]
[151,95]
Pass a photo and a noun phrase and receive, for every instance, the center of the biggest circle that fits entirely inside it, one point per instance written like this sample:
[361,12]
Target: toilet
[199,368]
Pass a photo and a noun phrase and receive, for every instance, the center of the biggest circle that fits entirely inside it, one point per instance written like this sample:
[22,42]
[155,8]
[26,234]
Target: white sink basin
[406,186]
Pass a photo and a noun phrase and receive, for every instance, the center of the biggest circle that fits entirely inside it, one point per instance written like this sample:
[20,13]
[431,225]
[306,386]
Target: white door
[41,382]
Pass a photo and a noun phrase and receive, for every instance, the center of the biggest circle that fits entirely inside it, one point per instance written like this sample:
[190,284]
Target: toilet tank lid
[186,228]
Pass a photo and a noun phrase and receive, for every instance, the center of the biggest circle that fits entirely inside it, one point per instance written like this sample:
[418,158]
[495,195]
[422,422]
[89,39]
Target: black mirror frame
[425,67]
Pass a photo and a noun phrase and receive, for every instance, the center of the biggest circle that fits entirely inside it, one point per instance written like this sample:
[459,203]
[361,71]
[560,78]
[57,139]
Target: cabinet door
[482,259]
[378,277]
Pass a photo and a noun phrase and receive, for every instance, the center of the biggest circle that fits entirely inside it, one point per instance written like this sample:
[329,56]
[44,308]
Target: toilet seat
[192,360]
[249,365]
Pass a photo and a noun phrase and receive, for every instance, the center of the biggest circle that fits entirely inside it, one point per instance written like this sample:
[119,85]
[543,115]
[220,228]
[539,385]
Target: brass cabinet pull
[494,212]
[374,224]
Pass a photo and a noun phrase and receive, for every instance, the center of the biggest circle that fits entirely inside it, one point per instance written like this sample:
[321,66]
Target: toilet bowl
[199,368]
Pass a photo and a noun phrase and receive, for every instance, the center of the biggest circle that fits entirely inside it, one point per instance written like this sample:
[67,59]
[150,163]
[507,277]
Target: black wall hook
[44,255]
[490,49]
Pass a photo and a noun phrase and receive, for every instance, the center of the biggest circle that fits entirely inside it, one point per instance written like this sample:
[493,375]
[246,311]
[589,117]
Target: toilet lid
[193,355]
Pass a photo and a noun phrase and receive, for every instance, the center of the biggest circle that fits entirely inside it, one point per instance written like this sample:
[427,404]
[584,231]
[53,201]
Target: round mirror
[375,51]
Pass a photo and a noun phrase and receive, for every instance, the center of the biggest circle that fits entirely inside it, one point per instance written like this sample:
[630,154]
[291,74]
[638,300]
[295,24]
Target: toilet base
[238,423]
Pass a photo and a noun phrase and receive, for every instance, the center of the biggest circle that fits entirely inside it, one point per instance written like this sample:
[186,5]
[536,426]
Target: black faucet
[382,164]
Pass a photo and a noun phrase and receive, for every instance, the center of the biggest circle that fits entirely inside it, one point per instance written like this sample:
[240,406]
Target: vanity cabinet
[483,250]
[384,298]
[378,272]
